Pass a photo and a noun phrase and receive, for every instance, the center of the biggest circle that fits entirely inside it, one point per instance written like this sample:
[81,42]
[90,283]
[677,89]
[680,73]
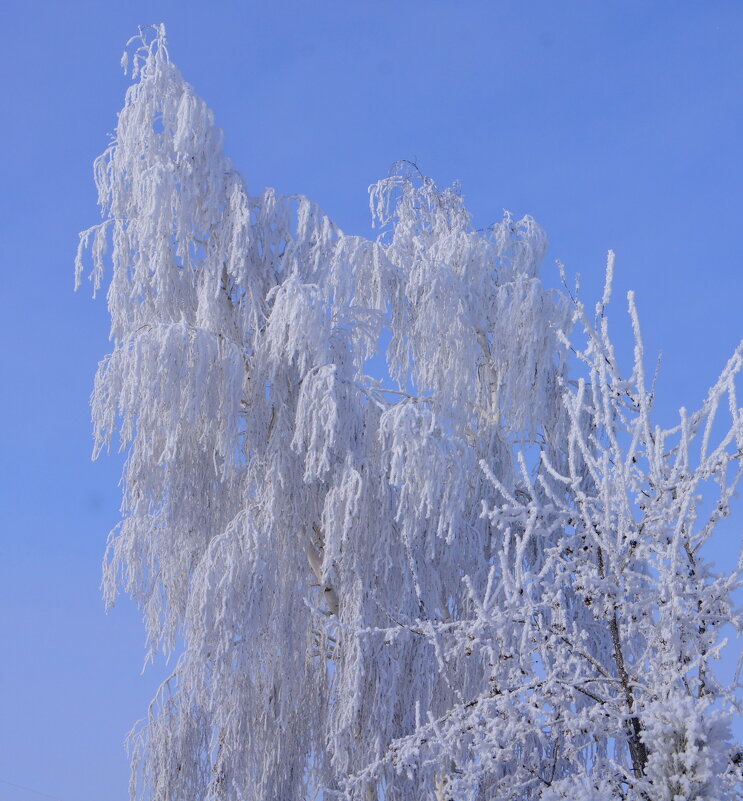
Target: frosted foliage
[487,583]
[468,298]
[690,745]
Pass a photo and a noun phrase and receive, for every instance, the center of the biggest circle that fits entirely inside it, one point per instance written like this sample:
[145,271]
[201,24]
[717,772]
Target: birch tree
[490,582]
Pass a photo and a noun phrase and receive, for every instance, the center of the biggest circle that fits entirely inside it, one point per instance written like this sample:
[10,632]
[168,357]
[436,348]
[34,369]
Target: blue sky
[617,124]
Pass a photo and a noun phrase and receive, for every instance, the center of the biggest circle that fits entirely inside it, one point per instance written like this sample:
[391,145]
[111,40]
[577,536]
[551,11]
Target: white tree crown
[488,583]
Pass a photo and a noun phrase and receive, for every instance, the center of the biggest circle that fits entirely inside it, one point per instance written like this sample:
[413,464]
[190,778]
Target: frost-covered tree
[488,583]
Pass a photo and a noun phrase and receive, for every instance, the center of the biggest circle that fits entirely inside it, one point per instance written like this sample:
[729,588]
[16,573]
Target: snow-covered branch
[488,582]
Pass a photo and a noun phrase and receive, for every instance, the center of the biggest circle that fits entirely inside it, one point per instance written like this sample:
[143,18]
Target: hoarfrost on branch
[489,583]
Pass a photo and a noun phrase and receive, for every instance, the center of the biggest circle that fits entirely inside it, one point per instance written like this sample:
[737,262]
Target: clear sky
[617,124]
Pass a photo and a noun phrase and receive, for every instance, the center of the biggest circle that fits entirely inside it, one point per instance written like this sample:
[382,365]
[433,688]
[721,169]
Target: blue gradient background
[616,124]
